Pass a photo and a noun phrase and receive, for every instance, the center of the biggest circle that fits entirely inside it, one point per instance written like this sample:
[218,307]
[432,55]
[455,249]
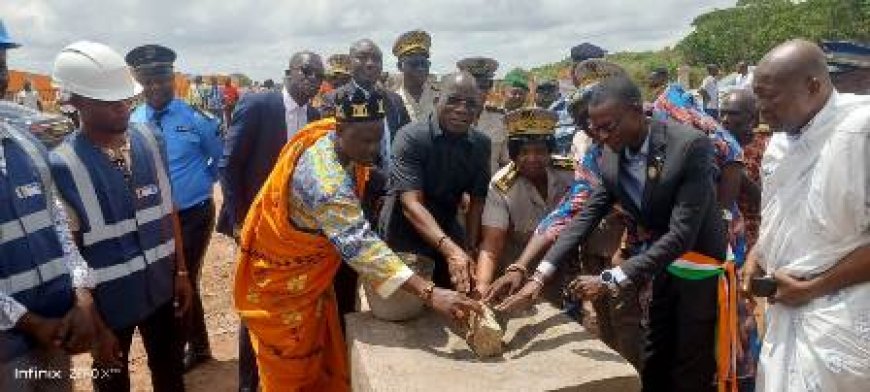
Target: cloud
[257,37]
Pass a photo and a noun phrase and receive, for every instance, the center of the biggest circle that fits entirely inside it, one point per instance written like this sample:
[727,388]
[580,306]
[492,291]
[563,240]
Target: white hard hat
[95,71]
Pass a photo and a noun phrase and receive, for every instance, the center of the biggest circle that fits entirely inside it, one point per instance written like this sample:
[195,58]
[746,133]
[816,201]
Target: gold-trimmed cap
[358,105]
[338,64]
[592,71]
[417,41]
[531,122]
[478,66]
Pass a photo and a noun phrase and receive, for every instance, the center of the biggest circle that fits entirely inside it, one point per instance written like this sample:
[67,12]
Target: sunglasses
[418,62]
[307,71]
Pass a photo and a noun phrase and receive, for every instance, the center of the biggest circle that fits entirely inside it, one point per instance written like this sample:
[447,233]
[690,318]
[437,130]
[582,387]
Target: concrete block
[546,351]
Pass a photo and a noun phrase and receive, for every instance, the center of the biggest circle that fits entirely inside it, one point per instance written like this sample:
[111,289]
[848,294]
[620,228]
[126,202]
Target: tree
[753,27]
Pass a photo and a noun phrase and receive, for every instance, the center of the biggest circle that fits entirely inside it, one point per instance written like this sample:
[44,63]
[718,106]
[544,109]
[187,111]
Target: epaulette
[506,178]
[495,109]
[563,162]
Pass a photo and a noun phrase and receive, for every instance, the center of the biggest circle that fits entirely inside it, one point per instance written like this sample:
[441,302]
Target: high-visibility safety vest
[126,228]
[32,269]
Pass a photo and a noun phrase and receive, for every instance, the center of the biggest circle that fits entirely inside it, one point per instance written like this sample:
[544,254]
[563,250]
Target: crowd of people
[665,225]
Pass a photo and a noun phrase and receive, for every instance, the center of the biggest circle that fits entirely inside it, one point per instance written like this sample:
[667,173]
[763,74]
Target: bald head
[792,84]
[298,58]
[366,62]
[459,83]
[795,61]
[739,114]
[460,102]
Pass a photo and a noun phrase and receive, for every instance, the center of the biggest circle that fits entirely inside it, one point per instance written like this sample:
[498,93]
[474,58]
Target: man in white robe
[815,229]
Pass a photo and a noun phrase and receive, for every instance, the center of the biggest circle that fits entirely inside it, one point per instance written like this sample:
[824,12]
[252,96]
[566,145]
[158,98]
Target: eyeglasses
[469,103]
[606,130]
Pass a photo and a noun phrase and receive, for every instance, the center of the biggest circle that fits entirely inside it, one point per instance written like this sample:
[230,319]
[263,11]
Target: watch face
[607,276]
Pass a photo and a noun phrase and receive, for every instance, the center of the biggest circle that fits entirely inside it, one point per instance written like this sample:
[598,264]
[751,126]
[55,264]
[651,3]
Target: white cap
[95,71]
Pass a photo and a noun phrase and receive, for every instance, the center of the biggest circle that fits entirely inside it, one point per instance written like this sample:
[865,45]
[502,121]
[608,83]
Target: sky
[257,37]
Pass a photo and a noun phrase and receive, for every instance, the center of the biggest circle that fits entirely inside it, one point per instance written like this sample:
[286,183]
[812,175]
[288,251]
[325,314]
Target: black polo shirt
[443,166]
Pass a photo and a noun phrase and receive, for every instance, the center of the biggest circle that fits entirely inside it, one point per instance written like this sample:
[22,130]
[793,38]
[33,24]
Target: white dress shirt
[296,116]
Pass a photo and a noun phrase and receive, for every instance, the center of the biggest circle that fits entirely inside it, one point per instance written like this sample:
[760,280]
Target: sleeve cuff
[389,286]
[546,268]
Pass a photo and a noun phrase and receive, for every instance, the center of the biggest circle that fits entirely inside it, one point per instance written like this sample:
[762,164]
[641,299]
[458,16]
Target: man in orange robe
[305,221]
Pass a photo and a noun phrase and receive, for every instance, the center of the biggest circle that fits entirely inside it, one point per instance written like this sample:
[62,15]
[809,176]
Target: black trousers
[680,347]
[197,223]
[249,380]
[163,340]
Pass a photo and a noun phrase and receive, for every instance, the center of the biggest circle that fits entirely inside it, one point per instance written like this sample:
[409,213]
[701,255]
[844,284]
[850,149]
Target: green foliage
[741,33]
[753,27]
[637,64]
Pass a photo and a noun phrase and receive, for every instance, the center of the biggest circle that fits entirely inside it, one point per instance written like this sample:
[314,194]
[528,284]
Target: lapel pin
[652,172]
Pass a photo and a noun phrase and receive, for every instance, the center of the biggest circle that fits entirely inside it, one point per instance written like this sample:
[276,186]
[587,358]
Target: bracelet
[440,242]
[427,293]
[518,268]
[181,273]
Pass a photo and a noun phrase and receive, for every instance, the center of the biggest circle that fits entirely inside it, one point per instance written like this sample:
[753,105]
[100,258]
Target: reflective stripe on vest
[31,223]
[99,229]
[134,265]
[162,172]
[32,278]
[39,161]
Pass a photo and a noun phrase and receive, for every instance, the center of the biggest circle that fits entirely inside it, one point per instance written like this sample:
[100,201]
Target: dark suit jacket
[679,204]
[397,115]
[253,142]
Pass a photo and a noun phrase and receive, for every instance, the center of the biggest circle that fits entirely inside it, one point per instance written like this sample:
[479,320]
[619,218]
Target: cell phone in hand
[764,286]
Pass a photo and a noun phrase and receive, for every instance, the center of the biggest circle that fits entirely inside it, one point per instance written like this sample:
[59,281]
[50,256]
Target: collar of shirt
[559,104]
[151,112]
[641,155]
[356,85]
[820,117]
[290,103]
[296,116]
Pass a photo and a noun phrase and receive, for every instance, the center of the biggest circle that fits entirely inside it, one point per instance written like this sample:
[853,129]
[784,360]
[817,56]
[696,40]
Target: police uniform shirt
[491,122]
[514,204]
[418,110]
[193,148]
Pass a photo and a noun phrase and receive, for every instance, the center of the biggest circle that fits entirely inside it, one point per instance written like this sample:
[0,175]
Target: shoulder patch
[563,162]
[506,178]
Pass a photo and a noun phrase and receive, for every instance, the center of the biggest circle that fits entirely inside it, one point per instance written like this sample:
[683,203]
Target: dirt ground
[221,374]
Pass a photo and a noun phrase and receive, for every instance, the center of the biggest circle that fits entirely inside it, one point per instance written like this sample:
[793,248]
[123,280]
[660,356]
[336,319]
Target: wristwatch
[610,280]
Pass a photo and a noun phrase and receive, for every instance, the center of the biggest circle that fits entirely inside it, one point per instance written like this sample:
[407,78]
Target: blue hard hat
[6,41]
